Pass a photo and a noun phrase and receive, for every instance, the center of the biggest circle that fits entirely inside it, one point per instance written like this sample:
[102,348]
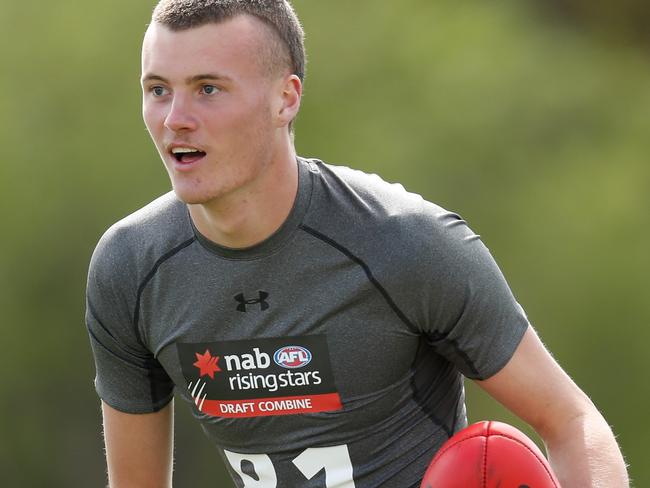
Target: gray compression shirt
[329,355]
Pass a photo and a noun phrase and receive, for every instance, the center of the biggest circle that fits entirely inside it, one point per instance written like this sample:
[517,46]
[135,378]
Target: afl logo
[292,357]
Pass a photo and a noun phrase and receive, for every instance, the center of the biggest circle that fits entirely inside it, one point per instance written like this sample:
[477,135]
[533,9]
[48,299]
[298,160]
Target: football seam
[485,454]
[552,478]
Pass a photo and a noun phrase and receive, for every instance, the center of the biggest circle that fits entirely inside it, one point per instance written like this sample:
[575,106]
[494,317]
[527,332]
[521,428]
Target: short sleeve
[471,315]
[128,376]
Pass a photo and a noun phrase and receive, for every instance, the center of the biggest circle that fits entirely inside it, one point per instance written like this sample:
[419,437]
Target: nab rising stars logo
[260,377]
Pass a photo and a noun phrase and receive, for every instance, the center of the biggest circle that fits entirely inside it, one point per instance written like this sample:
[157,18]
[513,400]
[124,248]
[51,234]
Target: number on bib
[335,460]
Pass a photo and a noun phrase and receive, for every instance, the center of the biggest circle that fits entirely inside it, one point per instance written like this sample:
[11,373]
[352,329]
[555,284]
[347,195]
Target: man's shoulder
[145,235]
[368,186]
[401,238]
[164,211]
[365,201]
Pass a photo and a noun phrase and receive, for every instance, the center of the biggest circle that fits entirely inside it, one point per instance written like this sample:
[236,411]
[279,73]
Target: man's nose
[180,117]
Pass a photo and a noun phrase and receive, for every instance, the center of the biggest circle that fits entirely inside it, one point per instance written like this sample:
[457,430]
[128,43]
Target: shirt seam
[367,271]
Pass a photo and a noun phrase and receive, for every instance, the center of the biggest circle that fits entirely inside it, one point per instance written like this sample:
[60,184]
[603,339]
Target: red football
[489,455]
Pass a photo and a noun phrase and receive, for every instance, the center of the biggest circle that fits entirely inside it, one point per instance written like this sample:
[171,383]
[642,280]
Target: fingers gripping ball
[489,455]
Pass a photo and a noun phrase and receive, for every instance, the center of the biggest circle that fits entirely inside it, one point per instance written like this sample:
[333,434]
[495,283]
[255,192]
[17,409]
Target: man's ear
[290,100]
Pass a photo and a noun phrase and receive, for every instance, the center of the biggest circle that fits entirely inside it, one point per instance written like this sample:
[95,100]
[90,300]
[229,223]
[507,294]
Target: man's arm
[581,447]
[139,447]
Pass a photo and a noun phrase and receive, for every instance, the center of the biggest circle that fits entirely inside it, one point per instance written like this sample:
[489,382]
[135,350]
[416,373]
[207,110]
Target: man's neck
[251,214]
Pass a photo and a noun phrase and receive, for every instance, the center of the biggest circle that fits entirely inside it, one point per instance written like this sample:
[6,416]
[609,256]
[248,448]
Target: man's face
[210,106]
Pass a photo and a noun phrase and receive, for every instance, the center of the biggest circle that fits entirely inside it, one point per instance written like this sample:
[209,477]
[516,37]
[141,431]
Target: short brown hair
[277,14]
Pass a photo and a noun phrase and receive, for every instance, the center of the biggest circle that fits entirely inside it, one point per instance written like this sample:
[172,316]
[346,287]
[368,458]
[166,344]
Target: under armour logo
[243,302]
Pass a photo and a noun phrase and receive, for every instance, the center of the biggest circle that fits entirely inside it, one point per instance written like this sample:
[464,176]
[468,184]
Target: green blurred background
[530,118]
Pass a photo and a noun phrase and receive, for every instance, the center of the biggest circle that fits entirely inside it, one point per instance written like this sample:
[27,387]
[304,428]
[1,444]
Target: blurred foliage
[624,21]
[536,131]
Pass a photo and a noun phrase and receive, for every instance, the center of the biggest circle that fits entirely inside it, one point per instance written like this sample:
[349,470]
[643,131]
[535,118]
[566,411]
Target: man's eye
[209,89]
[158,91]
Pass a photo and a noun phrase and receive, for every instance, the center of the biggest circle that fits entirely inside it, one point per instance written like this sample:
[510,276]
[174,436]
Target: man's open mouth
[187,155]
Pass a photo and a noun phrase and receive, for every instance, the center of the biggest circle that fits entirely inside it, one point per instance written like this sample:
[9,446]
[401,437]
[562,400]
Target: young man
[317,320]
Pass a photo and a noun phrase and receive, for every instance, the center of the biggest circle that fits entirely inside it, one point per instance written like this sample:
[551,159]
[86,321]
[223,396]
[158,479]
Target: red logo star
[207,364]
